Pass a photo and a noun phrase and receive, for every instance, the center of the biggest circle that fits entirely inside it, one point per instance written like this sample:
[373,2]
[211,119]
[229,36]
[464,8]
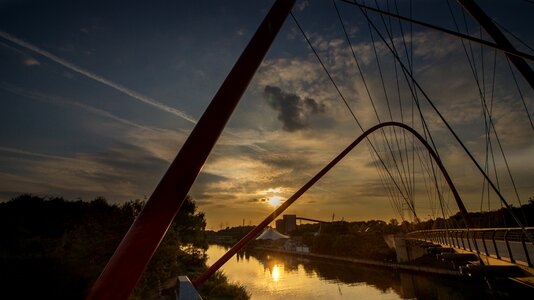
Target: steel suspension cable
[412,187]
[414,95]
[410,62]
[490,111]
[513,35]
[360,71]
[486,110]
[393,45]
[387,99]
[345,101]
[520,94]
[429,101]
[481,91]
[271,217]
[134,252]
[497,137]
[393,194]
[391,116]
[411,65]
[420,112]
[403,181]
[489,145]
[365,84]
[506,50]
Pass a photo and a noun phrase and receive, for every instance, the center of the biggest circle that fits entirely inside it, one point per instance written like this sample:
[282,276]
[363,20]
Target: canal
[278,276]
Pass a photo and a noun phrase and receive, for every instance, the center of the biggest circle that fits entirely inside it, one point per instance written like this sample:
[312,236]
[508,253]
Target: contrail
[229,138]
[29,153]
[64,101]
[116,86]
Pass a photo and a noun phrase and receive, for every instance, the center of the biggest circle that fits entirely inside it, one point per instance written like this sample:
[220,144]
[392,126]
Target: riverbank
[368,262]
[60,247]
[273,275]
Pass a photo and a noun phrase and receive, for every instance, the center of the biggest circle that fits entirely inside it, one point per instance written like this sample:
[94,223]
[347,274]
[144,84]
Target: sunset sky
[97,98]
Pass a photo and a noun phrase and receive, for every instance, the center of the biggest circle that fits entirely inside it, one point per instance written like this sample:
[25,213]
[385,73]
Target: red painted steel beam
[255,231]
[131,257]
[499,38]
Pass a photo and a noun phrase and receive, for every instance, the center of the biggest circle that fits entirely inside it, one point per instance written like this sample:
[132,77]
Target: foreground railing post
[469,241]
[484,243]
[508,246]
[495,244]
[475,241]
[131,257]
[529,262]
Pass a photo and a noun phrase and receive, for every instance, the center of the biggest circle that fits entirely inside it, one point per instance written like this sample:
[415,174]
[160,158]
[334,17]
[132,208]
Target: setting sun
[274,200]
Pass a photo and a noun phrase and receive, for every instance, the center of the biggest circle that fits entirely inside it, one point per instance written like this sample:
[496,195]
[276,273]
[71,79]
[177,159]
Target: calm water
[277,276]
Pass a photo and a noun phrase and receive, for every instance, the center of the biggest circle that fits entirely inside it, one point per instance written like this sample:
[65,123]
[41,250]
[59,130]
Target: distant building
[287,224]
[281,226]
[290,222]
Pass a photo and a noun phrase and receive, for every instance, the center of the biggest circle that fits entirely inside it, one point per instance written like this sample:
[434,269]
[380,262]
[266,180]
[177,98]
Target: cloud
[107,82]
[260,200]
[258,158]
[119,173]
[41,155]
[58,100]
[293,111]
[301,5]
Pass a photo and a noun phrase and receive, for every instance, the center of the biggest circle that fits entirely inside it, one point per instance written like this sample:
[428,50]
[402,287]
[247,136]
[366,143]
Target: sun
[274,200]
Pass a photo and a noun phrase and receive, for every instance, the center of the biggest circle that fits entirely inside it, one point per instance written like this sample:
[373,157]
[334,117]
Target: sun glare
[275,200]
[276,273]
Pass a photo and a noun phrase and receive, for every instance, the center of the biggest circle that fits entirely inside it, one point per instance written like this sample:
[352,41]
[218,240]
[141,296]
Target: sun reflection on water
[276,273]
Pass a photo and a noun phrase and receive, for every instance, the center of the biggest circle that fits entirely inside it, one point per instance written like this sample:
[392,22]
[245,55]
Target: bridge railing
[510,244]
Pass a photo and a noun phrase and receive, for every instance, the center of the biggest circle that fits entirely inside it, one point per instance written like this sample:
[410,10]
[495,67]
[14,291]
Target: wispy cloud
[58,100]
[114,173]
[107,82]
[41,155]
[229,137]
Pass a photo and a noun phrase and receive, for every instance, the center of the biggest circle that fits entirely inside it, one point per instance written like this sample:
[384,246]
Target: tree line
[365,239]
[55,249]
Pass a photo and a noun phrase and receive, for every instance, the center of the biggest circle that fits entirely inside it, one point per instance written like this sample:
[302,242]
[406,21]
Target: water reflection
[275,273]
[273,276]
